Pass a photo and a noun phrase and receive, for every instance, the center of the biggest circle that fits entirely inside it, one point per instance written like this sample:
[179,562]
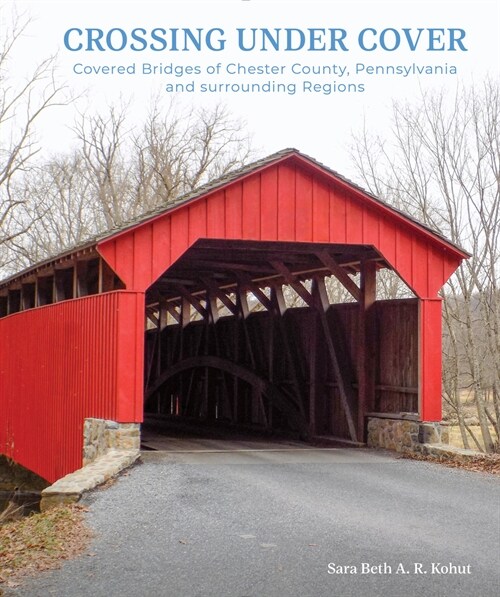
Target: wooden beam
[173,311]
[320,293]
[221,265]
[59,294]
[185,313]
[278,300]
[192,300]
[312,377]
[4,306]
[212,307]
[81,269]
[248,284]
[242,302]
[292,281]
[366,344]
[220,294]
[327,260]
[106,277]
[74,286]
[150,314]
[163,311]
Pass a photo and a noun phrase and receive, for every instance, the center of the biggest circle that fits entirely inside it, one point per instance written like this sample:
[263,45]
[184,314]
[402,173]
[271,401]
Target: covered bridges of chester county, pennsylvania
[159,317]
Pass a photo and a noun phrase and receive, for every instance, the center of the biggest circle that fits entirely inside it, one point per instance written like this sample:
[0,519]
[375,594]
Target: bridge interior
[278,337]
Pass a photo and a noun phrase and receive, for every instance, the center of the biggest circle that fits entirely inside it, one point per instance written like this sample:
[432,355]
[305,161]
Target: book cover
[114,109]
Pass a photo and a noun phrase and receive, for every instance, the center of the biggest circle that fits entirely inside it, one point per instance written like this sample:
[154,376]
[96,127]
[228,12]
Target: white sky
[317,124]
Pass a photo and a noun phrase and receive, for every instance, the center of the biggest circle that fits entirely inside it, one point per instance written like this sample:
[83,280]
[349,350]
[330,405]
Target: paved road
[269,523]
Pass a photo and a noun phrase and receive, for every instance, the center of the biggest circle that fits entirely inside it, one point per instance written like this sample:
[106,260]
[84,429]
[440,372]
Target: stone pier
[405,435]
[108,448]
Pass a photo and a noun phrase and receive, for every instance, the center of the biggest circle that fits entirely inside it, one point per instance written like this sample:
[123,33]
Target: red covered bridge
[161,317]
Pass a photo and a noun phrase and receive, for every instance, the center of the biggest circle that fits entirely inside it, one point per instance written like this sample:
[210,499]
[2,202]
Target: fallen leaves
[484,463]
[41,541]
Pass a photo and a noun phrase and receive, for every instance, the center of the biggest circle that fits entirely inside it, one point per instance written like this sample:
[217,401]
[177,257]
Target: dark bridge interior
[252,335]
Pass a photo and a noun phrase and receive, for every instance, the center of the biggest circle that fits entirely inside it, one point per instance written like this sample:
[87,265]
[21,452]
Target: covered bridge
[185,314]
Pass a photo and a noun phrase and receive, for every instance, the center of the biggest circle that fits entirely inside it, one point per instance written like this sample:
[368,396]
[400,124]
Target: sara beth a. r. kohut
[438,568]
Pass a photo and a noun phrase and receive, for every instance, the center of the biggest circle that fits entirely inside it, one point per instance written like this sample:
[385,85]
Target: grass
[41,541]
[456,436]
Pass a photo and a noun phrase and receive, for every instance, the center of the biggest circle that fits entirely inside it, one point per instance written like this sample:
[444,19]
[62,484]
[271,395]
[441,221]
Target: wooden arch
[258,383]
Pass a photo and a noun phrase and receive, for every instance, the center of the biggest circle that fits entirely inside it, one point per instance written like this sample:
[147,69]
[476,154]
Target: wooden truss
[208,367]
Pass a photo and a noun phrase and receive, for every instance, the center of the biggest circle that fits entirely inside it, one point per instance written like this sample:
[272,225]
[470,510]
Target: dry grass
[456,436]
[41,541]
[11,512]
[486,463]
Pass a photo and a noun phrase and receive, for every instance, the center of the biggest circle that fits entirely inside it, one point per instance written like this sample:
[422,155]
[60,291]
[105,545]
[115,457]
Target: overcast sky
[315,121]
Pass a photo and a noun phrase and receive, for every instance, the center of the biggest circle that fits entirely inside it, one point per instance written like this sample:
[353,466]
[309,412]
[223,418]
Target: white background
[319,125]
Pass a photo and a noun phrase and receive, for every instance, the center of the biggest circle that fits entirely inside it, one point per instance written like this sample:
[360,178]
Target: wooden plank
[233,212]
[269,204]
[304,206]
[216,215]
[286,202]
[397,355]
[251,207]
[321,212]
[399,389]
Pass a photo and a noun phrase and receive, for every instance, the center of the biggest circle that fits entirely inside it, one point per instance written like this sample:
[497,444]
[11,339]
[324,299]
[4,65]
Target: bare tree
[123,168]
[441,163]
[22,103]
[60,208]
[179,150]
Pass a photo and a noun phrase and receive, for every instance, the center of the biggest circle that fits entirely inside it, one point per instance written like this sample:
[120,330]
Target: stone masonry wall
[404,435]
[100,435]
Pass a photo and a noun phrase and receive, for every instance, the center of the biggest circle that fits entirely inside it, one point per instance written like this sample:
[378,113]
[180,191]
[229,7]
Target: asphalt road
[275,523]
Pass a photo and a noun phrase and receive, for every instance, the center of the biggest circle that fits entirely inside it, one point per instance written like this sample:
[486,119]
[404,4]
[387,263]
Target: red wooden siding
[62,363]
[430,360]
[79,358]
[286,201]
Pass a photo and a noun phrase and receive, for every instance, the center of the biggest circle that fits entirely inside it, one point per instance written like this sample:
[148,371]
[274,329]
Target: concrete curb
[70,488]
[447,452]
